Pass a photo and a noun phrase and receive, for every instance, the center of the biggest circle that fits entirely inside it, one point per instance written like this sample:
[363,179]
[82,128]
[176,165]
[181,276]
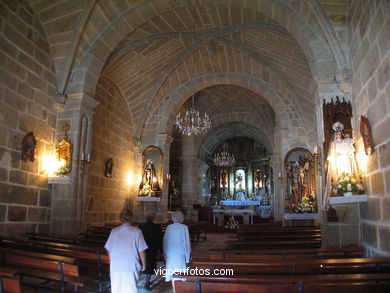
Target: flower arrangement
[146,191]
[232,224]
[306,205]
[348,183]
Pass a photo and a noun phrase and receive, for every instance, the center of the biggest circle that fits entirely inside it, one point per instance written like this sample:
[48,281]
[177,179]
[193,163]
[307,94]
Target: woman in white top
[177,248]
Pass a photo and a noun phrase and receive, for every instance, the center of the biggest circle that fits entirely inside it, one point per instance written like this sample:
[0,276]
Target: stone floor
[199,250]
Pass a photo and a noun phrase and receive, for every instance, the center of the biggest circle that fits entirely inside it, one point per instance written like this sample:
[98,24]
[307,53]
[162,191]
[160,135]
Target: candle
[82,157]
[316,149]
[88,158]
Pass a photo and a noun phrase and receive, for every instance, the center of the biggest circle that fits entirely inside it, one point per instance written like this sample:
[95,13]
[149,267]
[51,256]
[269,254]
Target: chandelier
[192,122]
[224,159]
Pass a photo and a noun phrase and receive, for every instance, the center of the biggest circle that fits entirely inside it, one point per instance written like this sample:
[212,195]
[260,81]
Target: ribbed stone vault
[230,130]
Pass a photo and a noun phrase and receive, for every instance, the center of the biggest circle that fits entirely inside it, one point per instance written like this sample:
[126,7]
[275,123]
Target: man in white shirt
[126,247]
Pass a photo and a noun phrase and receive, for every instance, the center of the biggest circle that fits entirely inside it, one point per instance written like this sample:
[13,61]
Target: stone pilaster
[69,200]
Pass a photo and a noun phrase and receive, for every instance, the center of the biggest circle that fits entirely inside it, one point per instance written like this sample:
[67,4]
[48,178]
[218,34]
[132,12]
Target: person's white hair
[178,217]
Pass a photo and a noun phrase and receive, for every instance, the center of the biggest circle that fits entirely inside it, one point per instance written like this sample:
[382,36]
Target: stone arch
[89,67]
[181,94]
[229,130]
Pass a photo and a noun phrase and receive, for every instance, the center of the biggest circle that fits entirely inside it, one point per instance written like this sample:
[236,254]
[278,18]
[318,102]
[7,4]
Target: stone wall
[112,138]
[26,104]
[369,46]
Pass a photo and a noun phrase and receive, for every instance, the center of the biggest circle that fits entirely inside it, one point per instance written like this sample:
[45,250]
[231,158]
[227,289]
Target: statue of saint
[149,178]
[341,159]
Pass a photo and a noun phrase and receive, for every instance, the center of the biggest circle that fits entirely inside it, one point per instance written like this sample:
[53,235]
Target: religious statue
[28,147]
[302,169]
[223,180]
[341,160]
[149,178]
[108,168]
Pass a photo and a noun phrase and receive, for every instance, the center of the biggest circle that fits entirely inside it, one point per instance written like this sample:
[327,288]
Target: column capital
[82,99]
[164,139]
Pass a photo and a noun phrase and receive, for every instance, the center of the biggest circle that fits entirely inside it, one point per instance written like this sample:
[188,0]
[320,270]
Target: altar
[219,214]
[240,202]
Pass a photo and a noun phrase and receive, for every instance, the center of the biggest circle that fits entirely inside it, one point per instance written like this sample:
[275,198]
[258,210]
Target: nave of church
[238,113]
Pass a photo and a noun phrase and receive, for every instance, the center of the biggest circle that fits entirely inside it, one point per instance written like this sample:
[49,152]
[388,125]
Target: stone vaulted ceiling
[150,48]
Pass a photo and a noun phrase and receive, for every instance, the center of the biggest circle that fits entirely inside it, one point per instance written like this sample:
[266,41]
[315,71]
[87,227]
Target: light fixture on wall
[317,157]
[192,122]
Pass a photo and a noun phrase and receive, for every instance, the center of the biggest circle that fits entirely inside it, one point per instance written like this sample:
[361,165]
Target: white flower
[339,186]
[349,187]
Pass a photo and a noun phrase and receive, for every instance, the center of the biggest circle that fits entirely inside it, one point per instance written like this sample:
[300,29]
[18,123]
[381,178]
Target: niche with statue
[151,181]
[299,183]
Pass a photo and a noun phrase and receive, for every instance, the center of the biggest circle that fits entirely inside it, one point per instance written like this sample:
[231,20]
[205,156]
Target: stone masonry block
[377,110]
[384,155]
[383,74]
[330,235]
[348,214]
[376,182]
[371,210]
[3,136]
[370,235]
[384,239]
[387,181]
[45,198]
[16,213]
[386,208]
[36,214]
[3,174]
[18,194]
[3,210]
[349,235]
[381,132]
[18,177]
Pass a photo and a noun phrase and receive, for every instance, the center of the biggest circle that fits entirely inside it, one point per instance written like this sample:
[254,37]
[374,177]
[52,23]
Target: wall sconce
[317,157]
[85,159]
[280,177]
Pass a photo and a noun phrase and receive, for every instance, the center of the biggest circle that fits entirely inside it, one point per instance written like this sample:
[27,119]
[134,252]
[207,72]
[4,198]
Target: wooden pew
[47,243]
[299,266]
[36,254]
[275,244]
[226,254]
[357,283]
[38,268]
[295,237]
[61,239]
[95,261]
[9,281]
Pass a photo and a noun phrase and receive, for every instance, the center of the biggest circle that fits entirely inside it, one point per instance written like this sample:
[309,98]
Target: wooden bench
[47,243]
[299,266]
[276,244]
[9,281]
[226,254]
[87,260]
[316,236]
[48,256]
[357,283]
[60,239]
[49,270]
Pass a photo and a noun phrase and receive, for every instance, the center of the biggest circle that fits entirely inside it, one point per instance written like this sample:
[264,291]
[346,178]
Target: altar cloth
[240,202]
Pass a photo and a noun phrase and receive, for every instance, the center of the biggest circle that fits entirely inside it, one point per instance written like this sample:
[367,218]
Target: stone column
[69,200]
[191,177]
[164,141]
[278,196]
